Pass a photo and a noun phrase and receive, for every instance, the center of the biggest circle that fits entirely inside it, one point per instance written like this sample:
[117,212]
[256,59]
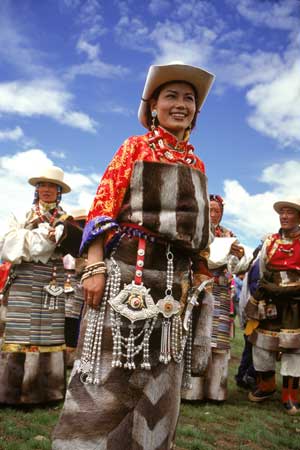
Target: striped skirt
[129,409]
[213,385]
[32,357]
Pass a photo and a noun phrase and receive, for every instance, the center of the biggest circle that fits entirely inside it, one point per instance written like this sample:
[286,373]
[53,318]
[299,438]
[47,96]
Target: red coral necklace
[43,217]
[165,149]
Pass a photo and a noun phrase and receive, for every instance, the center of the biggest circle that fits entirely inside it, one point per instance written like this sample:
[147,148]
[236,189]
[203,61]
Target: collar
[290,235]
[45,207]
[169,147]
[170,140]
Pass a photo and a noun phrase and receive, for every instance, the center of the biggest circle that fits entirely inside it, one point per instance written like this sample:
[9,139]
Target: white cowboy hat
[177,71]
[52,174]
[291,203]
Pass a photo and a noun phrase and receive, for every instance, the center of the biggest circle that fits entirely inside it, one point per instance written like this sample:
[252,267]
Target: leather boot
[266,387]
[290,395]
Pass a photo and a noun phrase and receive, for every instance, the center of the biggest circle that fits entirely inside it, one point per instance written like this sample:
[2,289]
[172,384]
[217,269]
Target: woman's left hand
[51,234]
[237,250]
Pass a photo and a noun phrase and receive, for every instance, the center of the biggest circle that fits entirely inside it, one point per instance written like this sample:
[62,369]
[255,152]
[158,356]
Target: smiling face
[176,107]
[47,192]
[289,218]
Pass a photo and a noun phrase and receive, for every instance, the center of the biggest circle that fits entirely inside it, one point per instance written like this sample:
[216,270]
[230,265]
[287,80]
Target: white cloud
[277,15]
[16,195]
[79,120]
[277,107]
[58,154]
[97,68]
[158,6]
[139,38]
[91,19]
[42,94]
[11,135]
[42,98]
[252,216]
[94,66]
[91,50]
[266,72]
[175,44]
[284,177]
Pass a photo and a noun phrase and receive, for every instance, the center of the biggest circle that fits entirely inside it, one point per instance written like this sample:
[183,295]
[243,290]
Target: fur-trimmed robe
[138,410]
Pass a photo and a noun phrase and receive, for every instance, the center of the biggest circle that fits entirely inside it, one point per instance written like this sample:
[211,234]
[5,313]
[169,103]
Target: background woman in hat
[149,221]
[275,310]
[32,368]
[226,257]
[74,305]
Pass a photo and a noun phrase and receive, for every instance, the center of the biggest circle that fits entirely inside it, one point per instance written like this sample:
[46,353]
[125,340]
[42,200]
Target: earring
[59,192]
[187,133]
[154,117]
[36,195]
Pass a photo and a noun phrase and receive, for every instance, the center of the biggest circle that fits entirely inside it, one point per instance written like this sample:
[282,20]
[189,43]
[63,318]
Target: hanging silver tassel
[130,364]
[165,342]
[117,342]
[51,292]
[187,372]
[148,329]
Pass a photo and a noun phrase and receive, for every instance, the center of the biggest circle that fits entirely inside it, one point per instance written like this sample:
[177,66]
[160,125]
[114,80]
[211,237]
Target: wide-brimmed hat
[79,213]
[51,174]
[290,203]
[199,78]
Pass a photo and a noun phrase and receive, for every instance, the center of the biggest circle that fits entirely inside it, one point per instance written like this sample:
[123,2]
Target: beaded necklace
[161,143]
[43,217]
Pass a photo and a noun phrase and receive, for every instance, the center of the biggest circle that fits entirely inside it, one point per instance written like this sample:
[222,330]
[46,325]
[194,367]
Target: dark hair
[217,198]
[155,96]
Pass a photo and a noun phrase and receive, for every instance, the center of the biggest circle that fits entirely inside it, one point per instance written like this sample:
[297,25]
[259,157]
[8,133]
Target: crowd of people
[139,297]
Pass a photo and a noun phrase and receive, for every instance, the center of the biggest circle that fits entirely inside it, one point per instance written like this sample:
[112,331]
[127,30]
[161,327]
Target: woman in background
[226,257]
[32,356]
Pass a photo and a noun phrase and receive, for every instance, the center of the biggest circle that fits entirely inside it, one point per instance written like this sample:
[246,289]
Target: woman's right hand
[93,288]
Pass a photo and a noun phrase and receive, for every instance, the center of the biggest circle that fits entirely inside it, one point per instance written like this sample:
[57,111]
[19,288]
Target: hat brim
[159,75]
[282,204]
[65,188]
[80,217]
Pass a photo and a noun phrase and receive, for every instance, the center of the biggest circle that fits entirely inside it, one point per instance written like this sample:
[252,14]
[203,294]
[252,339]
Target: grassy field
[236,424]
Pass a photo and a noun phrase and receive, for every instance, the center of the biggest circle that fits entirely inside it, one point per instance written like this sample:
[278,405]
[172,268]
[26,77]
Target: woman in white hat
[275,310]
[144,233]
[226,257]
[32,368]
[74,306]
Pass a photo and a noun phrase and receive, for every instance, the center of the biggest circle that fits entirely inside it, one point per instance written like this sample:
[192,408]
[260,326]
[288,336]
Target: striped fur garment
[170,200]
[138,410]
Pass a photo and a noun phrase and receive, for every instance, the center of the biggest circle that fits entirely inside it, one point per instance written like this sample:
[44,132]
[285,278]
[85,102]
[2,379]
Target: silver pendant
[134,302]
[53,290]
[68,289]
[167,306]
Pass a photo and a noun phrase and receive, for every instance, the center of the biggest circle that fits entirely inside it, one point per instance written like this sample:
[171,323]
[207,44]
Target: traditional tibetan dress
[32,357]
[213,384]
[275,310]
[152,205]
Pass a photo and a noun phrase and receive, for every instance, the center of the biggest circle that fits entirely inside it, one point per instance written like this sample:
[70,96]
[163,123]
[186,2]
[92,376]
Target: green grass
[235,425]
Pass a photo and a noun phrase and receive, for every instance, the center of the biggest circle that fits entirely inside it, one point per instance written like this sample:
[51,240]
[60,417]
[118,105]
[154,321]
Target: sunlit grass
[235,425]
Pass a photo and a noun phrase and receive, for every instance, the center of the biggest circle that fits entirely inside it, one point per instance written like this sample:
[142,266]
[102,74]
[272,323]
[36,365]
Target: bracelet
[94,265]
[92,272]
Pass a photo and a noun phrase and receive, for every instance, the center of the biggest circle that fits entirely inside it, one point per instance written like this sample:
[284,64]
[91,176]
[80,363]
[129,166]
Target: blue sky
[72,73]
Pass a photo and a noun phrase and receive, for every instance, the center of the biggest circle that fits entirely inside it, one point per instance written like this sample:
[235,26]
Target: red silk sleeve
[114,183]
